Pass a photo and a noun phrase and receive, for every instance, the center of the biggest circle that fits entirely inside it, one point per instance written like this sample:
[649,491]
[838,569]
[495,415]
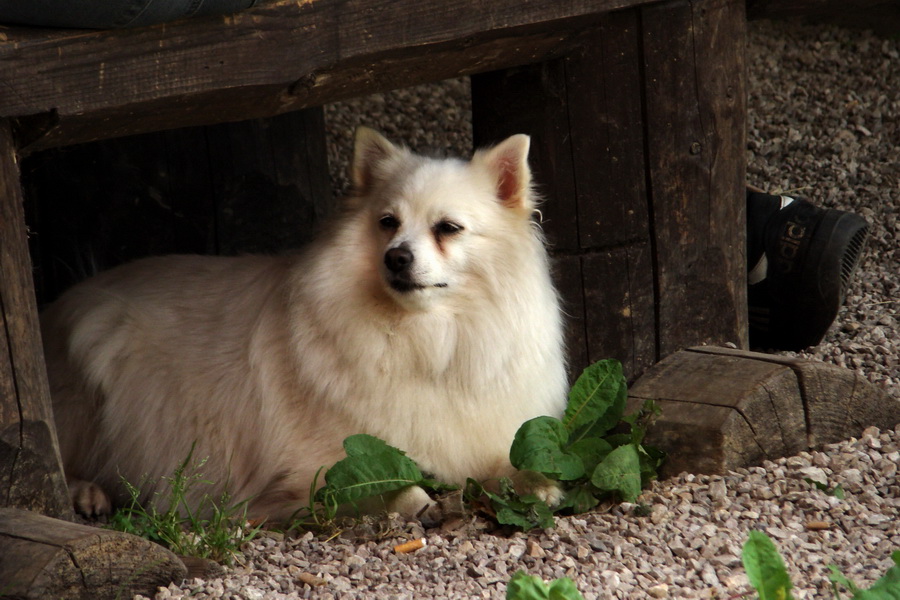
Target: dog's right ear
[370,149]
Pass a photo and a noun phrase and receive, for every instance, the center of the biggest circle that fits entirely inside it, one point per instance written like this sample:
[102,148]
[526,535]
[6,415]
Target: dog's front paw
[88,498]
[410,502]
[532,482]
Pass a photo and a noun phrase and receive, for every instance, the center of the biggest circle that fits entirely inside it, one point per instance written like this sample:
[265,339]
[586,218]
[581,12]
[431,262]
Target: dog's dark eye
[447,228]
[389,222]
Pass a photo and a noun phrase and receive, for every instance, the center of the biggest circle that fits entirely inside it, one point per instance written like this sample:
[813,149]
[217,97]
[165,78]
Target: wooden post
[40,556]
[695,103]
[639,141]
[31,475]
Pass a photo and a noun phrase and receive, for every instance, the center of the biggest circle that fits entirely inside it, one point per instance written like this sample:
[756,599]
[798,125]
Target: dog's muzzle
[399,262]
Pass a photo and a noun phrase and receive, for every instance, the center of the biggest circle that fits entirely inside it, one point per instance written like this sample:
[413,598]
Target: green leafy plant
[522,586]
[765,569]
[583,452]
[216,529]
[769,577]
[509,508]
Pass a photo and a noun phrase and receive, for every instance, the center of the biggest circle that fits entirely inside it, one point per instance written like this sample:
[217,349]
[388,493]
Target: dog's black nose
[398,259]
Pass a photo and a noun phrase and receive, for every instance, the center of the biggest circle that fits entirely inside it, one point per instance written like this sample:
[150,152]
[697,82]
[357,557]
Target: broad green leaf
[564,589]
[591,451]
[372,467]
[539,446]
[765,569]
[530,587]
[365,445]
[597,400]
[888,587]
[620,472]
[523,586]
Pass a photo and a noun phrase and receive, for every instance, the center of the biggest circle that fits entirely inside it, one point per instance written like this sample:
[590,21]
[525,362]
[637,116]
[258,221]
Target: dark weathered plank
[270,182]
[619,307]
[96,206]
[30,466]
[278,56]
[567,277]
[641,134]
[42,557]
[604,99]
[533,100]
[698,438]
[779,9]
[695,111]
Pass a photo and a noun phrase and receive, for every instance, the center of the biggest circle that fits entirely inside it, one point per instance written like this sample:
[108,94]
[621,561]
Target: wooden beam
[31,473]
[71,86]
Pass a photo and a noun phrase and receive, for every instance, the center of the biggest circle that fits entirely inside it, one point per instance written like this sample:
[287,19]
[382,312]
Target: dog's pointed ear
[370,149]
[508,164]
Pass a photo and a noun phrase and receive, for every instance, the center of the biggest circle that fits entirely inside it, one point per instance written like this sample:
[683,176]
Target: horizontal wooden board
[70,86]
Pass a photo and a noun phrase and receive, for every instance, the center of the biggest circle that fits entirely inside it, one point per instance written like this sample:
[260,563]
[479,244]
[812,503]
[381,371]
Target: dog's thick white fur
[425,315]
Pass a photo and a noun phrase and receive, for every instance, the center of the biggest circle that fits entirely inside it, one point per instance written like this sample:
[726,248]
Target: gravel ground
[824,121]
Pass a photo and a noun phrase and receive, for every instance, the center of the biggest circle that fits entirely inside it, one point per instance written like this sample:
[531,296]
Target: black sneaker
[801,260]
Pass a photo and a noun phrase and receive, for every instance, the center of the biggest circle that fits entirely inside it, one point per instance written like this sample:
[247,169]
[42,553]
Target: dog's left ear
[508,163]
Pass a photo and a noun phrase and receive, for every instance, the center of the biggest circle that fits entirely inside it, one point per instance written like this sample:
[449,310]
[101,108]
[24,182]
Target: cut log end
[41,557]
[724,409]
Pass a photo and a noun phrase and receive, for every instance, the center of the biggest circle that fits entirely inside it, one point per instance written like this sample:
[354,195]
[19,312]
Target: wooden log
[42,558]
[839,403]
[724,408]
[73,86]
[30,466]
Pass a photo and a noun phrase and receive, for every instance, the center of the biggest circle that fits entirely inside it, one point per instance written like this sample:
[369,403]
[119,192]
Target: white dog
[425,315]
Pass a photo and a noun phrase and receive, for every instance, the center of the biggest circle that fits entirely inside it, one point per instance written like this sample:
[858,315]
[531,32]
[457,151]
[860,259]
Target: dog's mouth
[405,286]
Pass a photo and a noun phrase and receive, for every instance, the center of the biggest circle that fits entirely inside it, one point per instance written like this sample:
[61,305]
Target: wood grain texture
[30,465]
[724,408]
[695,119]
[283,55]
[42,558]
[839,403]
[639,137]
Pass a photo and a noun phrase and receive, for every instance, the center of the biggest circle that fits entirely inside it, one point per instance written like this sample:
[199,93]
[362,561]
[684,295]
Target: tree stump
[48,558]
[723,408]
